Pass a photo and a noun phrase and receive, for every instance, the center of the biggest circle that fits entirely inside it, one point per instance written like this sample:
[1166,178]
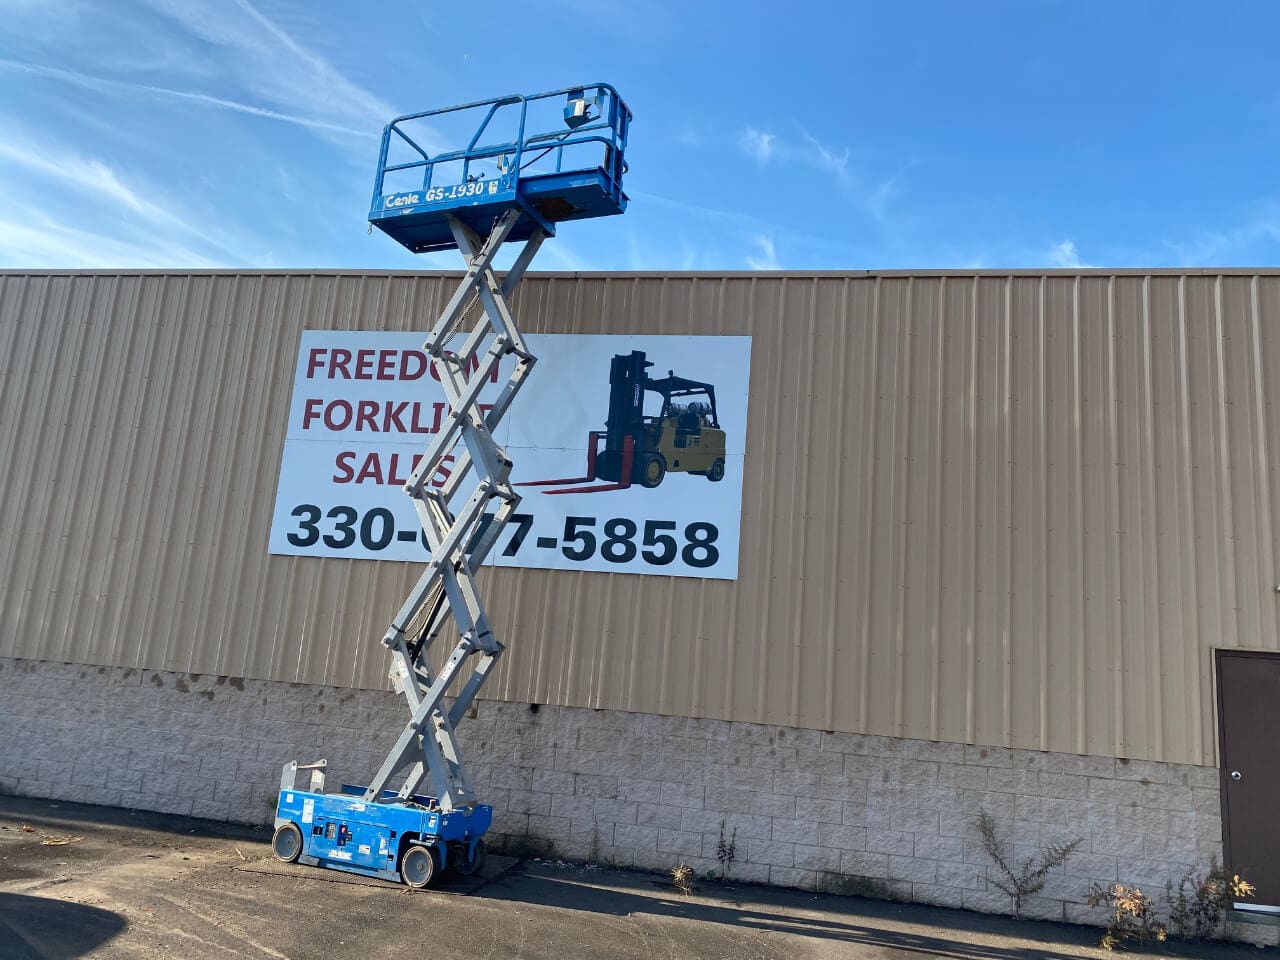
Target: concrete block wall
[848,813]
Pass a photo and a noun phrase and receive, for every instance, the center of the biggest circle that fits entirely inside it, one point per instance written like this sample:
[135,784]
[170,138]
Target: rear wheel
[652,470]
[286,843]
[468,868]
[716,473]
[418,867]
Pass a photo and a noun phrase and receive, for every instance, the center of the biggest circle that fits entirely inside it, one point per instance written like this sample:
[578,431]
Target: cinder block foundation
[869,815]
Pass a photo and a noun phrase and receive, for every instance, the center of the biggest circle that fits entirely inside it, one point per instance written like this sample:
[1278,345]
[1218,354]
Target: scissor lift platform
[478,184]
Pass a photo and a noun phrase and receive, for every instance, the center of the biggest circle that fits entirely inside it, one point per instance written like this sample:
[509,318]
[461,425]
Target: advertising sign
[628,451]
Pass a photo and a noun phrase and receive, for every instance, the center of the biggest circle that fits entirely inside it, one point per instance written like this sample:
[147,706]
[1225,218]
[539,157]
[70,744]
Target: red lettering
[372,470]
[442,472]
[417,426]
[310,411]
[342,407]
[343,463]
[315,361]
[386,364]
[338,361]
[391,415]
[392,476]
[364,364]
[416,356]
[366,410]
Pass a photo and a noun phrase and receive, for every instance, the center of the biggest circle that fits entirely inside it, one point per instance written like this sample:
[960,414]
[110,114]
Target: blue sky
[243,133]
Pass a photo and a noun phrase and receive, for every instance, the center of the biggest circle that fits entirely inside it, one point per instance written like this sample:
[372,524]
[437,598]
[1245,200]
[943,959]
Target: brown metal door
[1249,707]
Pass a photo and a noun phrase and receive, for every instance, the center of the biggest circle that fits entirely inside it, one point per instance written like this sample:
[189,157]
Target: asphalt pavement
[82,881]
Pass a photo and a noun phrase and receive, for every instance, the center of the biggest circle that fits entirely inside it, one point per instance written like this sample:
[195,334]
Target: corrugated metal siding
[994,509]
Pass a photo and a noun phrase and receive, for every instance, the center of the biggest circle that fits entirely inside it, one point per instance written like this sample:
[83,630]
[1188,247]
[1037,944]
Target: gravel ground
[81,881]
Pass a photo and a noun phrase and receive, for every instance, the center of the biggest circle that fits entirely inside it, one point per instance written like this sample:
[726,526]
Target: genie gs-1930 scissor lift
[498,188]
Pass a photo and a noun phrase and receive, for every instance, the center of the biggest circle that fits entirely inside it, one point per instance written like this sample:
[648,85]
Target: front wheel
[653,470]
[418,867]
[716,473]
[286,843]
[468,868]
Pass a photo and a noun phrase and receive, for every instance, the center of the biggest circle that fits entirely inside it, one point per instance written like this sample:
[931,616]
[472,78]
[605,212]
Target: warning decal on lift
[628,451]
[308,810]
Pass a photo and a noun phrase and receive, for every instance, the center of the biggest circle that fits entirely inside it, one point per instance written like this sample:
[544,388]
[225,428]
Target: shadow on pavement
[57,814]
[38,928]
[851,920]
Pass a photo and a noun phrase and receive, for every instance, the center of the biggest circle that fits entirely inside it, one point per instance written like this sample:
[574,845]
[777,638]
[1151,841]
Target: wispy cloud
[873,194]
[675,253]
[147,231]
[730,218]
[691,136]
[86,175]
[881,195]
[1257,241]
[261,56]
[261,70]
[29,238]
[748,228]
[758,145]
[767,256]
[126,87]
[563,255]
[835,162]
[765,147]
[1064,255]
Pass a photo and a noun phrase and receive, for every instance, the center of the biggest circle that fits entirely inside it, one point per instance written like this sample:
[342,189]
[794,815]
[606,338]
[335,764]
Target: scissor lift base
[342,831]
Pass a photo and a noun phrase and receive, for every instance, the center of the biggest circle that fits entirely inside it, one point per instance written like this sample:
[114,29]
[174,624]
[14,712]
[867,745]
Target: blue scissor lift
[506,184]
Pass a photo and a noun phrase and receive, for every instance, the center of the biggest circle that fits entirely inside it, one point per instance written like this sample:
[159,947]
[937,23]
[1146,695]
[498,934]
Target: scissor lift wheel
[468,867]
[286,844]
[418,867]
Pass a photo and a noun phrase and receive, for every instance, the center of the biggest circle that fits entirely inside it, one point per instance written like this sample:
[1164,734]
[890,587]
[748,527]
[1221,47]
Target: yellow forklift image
[684,436]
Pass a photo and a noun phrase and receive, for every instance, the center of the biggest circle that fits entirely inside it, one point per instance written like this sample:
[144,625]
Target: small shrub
[1024,880]
[727,850]
[1133,916]
[1199,903]
[682,878]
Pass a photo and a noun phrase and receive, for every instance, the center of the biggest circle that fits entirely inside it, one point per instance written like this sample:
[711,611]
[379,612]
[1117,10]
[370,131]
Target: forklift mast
[627,384]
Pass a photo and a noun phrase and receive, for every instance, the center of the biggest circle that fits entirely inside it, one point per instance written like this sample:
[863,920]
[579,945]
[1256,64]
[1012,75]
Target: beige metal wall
[999,509]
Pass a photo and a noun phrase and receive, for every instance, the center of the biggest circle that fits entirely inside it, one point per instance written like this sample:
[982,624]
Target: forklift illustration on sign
[684,437]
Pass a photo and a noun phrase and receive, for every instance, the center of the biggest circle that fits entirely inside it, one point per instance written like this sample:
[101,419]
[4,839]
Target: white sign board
[367,404]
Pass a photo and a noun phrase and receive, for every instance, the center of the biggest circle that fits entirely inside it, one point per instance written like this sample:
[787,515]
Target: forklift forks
[594,439]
